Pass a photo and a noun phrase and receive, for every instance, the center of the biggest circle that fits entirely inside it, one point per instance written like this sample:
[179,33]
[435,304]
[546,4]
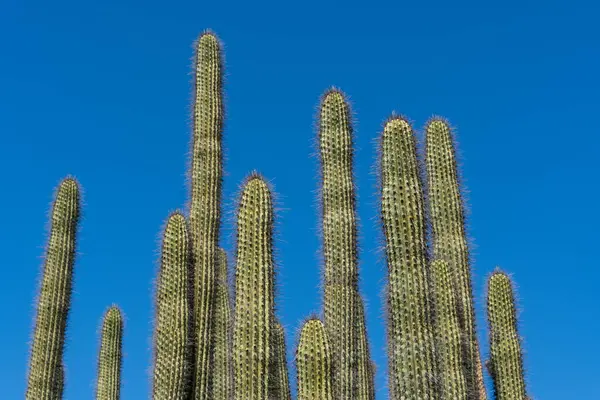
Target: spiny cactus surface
[110,358]
[313,363]
[365,385]
[281,384]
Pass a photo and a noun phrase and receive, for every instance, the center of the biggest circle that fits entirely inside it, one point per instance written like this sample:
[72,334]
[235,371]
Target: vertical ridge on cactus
[506,361]
[410,330]
[281,384]
[46,371]
[206,176]
[110,358]
[313,363]
[254,292]
[173,334]
[450,239]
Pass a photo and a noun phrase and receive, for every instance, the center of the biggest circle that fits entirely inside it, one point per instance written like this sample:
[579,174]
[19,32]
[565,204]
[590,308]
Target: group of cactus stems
[210,346]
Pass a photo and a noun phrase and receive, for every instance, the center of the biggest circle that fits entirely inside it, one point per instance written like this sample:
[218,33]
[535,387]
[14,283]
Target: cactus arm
[110,358]
[313,363]
[46,371]
[365,389]
[280,385]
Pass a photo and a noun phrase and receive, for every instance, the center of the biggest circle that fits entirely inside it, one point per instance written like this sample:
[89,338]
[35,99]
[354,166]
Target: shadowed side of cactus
[313,363]
[254,292]
[222,379]
[173,329]
[205,214]
[409,311]
[451,371]
[365,389]
[46,371]
[450,240]
[506,361]
[280,385]
[110,358]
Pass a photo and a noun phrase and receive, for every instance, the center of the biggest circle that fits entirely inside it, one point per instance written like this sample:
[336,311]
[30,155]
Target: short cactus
[313,363]
[173,335]
[506,361]
[108,386]
[46,371]
[280,387]
[365,388]
[410,330]
[254,292]
[205,214]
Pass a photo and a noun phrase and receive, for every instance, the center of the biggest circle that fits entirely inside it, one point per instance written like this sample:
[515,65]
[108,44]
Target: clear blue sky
[102,91]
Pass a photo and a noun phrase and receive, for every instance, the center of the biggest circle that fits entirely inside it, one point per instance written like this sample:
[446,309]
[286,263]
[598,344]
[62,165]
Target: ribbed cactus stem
[222,374]
[410,329]
[365,388]
[173,314]
[281,384]
[450,239]
[313,363]
[506,365]
[205,214]
[254,292]
[449,351]
[46,373]
[110,358]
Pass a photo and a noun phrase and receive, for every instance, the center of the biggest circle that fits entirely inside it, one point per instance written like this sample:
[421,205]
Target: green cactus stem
[281,384]
[46,372]
[506,361]
[110,358]
[173,334]
[365,389]
[222,379]
[313,363]
[410,328]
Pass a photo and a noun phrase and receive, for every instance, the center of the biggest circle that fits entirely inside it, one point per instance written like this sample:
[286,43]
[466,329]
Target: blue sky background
[101,90]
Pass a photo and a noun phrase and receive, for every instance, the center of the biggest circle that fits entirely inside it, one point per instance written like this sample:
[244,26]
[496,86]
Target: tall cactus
[46,371]
[173,330]
[506,363]
[205,214]
[410,330]
[110,358]
[450,240]
[254,292]
[451,371]
[340,247]
[222,379]
[280,387]
[313,363]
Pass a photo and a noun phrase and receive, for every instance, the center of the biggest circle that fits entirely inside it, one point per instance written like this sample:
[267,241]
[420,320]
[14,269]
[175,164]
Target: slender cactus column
[222,374]
[313,361]
[281,383]
[110,358]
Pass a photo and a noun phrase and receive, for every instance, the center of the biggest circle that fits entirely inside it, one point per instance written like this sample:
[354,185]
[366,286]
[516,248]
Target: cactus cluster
[208,346]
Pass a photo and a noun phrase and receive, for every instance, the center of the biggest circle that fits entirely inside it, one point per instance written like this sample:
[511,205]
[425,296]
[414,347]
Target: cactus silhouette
[205,215]
[506,361]
[410,330]
[254,292]
[173,334]
[46,371]
[110,358]
[313,362]
[281,383]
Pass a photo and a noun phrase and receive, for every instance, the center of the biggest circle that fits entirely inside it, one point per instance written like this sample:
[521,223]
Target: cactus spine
[222,379]
[281,383]
[110,358]
[46,371]
[451,371]
[254,292]
[506,365]
[313,363]
[172,364]
[450,241]
[340,249]
[205,214]
[410,331]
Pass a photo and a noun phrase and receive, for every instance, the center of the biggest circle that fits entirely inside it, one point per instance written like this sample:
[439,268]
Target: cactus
[313,362]
[46,371]
[410,330]
[206,176]
[280,387]
[340,248]
[451,371]
[254,292]
[173,330]
[506,363]
[222,379]
[109,360]
[365,389]
[450,241]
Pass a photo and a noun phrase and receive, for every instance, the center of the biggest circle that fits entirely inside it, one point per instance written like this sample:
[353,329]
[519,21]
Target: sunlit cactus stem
[108,386]
[313,363]
[410,329]
[205,214]
[222,373]
[506,361]
[46,371]
[365,385]
[280,385]
[173,315]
